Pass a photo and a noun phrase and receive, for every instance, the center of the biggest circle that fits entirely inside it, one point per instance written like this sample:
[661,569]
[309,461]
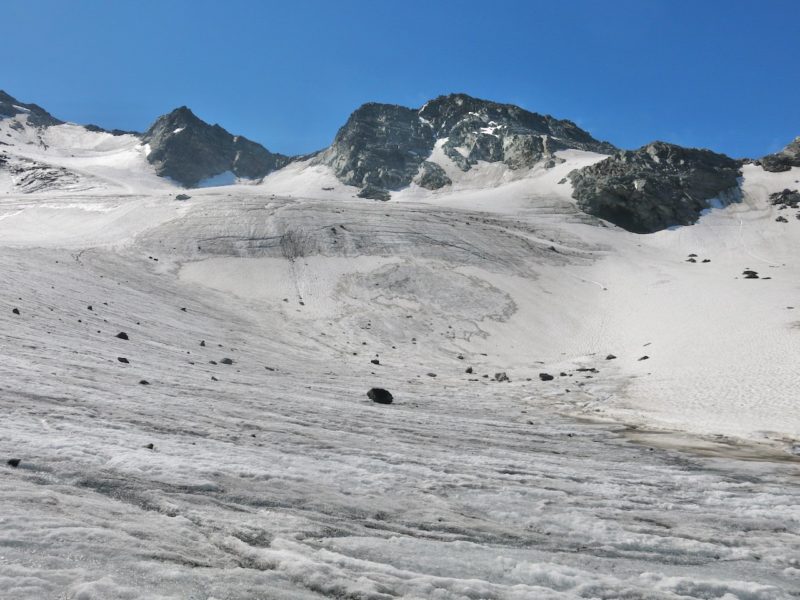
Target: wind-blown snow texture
[176,475]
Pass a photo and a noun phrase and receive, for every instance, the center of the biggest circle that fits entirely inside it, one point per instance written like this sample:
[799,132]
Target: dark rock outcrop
[784,160]
[655,187]
[37,116]
[373,192]
[114,132]
[785,199]
[387,146]
[189,150]
[431,176]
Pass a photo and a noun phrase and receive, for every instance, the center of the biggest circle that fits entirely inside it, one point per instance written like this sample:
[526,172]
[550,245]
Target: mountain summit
[387,147]
[37,116]
[189,150]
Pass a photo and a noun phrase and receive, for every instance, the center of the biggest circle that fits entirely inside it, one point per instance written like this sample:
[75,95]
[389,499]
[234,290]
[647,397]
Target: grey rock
[114,132]
[375,193]
[381,145]
[656,186]
[387,146]
[432,177]
[189,150]
[785,199]
[37,116]
[784,160]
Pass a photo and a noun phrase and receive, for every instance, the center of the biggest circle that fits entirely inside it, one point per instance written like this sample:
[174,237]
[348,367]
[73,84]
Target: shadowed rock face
[784,160]
[37,116]
[381,145]
[654,187]
[387,146]
[189,150]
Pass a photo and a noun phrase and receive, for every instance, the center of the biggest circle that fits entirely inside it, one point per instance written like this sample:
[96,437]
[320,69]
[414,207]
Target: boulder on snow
[380,396]
[123,360]
[545,377]
[501,376]
[13,462]
[122,335]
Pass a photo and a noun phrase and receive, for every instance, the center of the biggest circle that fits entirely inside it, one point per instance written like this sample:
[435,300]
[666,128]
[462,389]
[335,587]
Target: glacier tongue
[275,475]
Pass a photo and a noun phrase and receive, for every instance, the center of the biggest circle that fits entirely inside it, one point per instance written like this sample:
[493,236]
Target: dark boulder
[226,361]
[501,376]
[13,462]
[122,335]
[380,395]
[545,377]
[123,360]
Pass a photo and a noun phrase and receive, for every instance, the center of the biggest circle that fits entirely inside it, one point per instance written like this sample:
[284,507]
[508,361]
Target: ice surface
[276,477]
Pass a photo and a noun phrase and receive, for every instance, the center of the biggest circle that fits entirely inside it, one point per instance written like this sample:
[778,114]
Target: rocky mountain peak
[387,147]
[37,116]
[189,150]
[785,159]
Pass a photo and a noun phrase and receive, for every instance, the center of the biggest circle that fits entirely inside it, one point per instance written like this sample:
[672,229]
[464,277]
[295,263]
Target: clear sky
[722,74]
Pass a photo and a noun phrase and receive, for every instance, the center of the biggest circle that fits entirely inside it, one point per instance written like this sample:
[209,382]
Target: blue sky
[710,73]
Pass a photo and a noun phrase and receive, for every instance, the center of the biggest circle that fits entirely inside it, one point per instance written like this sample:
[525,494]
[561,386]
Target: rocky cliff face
[784,160]
[386,146]
[654,187]
[189,150]
[37,116]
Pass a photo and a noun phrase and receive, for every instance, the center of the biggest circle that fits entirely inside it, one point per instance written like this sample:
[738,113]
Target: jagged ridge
[189,150]
[386,146]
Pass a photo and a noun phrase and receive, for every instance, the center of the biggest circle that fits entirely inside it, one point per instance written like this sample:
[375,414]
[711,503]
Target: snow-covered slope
[70,158]
[172,474]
